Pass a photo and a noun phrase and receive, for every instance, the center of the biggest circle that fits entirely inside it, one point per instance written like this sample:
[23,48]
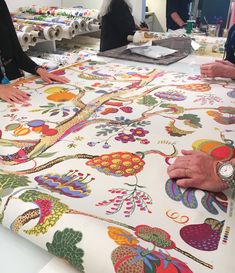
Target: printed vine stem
[32,214]
[75,123]
[58,160]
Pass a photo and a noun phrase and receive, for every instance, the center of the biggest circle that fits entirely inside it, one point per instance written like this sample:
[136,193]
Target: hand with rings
[196,170]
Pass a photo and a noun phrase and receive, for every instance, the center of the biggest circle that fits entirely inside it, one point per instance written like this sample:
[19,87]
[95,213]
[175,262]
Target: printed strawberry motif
[204,236]
[118,164]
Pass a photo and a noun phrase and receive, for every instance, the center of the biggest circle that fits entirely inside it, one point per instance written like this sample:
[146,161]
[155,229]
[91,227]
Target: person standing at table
[117,23]
[13,61]
[177,13]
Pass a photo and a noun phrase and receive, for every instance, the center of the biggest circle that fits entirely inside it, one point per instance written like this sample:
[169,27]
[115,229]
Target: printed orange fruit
[118,164]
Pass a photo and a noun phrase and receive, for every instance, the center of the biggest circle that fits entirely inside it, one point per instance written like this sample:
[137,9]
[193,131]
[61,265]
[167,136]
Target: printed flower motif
[144,141]
[125,138]
[73,184]
[170,95]
[140,132]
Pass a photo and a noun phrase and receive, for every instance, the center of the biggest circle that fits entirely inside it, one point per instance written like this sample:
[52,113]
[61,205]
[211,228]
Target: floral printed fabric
[83,169]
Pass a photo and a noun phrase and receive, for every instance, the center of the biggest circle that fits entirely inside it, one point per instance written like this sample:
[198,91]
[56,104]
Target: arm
[177,19]
[23,61]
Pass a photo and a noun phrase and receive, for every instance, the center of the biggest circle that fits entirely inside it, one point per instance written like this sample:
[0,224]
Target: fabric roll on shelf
[24,39]
[76,12]
[50,31]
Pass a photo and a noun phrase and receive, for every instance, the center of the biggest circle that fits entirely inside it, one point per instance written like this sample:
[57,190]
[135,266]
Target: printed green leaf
[12,181]
[148,101]
[191,120]
[46,155]
[64,245]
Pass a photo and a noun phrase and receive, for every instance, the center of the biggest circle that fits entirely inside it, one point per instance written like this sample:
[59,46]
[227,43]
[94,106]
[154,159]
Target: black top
[179,6]
[116,25]
[11,53]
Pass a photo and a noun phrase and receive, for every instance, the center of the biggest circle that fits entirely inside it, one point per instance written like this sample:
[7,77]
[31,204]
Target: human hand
[216,69]
[225,63]
[50,77]
[196,170]
[11,94]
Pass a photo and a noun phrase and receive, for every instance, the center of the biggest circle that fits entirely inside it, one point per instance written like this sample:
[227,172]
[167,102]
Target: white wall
[159,8]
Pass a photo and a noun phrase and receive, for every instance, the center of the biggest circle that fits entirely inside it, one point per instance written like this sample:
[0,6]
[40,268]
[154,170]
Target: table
[24,251]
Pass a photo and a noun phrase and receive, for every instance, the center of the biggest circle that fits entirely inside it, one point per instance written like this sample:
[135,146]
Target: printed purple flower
[140,132]
[170,95]
[125,138]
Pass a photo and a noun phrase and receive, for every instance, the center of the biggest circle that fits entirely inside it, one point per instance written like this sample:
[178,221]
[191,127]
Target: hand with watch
[196,169]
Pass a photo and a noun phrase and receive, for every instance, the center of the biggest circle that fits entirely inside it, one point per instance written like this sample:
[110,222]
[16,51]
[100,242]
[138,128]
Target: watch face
[226,170]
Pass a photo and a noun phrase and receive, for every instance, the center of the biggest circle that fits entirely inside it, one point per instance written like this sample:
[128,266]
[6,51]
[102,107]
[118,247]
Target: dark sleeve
[172,6]
[23,61]
[123,19]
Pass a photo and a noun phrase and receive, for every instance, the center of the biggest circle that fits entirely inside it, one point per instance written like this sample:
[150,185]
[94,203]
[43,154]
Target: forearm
[177,19]
[229,72]
[233,161]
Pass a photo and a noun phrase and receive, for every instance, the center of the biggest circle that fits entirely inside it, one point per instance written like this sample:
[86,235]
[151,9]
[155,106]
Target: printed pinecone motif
[118,164]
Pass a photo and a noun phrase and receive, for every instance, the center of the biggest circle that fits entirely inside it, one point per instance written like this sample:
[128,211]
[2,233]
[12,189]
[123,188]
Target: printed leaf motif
[12,181]
[121,236]
[47,155]
[107,131]
[156,236]
[140,123]
[148,101]
[191,120]
[175,109]
[51,210]
[174,131]
[173,190]
[64,245]
[209,201]
[189,198]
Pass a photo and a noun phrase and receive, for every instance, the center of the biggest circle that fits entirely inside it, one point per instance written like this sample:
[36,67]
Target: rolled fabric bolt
[23,28]
[48,33]
[33,39]
[139,38]
[89,24]
[23,38]
[68,32]
[58,32]
[95,27]
[36,33]
[130,38]
[82,24]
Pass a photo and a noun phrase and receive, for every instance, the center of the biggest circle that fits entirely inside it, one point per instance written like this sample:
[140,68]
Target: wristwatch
[226,172]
